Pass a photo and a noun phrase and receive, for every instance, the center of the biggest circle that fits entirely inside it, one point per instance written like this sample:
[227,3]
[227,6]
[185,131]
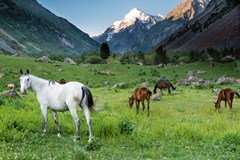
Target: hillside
[175,19]
[184,125]
[217,27]
[27,28]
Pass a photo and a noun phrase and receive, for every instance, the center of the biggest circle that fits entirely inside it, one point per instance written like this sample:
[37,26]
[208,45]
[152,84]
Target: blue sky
[94,16]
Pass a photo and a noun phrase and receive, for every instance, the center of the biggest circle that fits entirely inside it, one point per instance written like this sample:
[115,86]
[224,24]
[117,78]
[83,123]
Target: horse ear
[27,71]
[21,71]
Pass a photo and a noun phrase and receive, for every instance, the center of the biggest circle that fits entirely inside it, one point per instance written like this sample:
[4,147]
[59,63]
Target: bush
[56,57]
[93,59]
[126,126]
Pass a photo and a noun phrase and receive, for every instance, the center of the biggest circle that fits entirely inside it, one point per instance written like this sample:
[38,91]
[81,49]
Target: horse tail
[89,101]
[172,86]
[155,88]
[236,93]
[149,92]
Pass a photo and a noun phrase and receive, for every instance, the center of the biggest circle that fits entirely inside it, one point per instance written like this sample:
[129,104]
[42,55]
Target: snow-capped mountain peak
[134,13]
[130,19]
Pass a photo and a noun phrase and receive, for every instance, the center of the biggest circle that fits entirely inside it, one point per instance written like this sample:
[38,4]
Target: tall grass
[181,126]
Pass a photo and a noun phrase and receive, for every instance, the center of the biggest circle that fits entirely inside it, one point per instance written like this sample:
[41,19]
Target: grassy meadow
[184,125]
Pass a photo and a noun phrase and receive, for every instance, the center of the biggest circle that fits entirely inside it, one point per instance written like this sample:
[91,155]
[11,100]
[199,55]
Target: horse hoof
[59,135]
[90,140]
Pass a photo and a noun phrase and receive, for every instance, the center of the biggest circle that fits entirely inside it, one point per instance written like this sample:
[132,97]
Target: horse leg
[45,114]
[73,111]
[89,122]
[137,106]
[230,104]
[169,91]
[143,105]
[148,102]
[56,122]
[225,104]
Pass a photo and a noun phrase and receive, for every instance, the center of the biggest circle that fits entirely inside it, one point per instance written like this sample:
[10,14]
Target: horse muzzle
[23,91]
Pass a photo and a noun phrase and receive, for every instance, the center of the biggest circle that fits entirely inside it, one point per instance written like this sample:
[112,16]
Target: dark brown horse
[140,94]
[62,81]
[226,95]
[163,85]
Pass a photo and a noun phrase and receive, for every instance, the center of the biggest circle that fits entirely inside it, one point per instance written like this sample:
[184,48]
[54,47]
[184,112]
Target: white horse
[59,97]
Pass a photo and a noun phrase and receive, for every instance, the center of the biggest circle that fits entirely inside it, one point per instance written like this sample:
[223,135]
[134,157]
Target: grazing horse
[11,86]
[226,95]
[140,95]
[62,81]
[163,85]
[59,97]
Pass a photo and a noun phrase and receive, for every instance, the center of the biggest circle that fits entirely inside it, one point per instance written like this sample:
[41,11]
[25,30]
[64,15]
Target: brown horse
[163,85]
[140,94]
[226,95]
[62,81]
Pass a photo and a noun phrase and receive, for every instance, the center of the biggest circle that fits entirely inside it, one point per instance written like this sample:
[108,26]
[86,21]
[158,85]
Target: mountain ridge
[130,40]
[117,34]
[39,30]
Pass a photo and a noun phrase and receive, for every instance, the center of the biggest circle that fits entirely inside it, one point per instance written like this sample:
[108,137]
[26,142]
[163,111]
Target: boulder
[225,80]
[119,85]
[156,97]
[2,75]
[44,59]
[145,84]
[11,94]
[69,61]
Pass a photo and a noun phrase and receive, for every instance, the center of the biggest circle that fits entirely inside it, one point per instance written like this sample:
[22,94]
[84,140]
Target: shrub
[93,59]
[126,126]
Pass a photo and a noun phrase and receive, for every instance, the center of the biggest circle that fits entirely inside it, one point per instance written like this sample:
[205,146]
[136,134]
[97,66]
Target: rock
[145,84]
[99,109]
[11,94]
[183,82]
[106,83]
[86,64]
[201,72]
[61,70]
[156,97]
[160,65]
[139,63]
[237,80]
[228,58]
[163,78]
[119,85]
[44,59]
[2,75]
[69,61]
[216,90]
[225,80]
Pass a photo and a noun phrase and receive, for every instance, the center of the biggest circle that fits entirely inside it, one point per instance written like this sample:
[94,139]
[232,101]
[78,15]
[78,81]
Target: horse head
[130,101]
[24,81]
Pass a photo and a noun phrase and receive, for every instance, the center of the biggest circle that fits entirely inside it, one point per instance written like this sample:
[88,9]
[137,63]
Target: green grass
[181,126]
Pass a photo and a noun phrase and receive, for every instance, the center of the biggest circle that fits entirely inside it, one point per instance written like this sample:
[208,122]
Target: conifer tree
[104,51]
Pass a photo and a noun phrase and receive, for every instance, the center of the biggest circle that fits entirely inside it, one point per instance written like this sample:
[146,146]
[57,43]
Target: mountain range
[175,30]
[27,28]
[122,36]
[217,27]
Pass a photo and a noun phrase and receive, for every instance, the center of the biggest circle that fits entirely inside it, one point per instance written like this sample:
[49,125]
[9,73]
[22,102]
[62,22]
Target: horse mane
[51,82]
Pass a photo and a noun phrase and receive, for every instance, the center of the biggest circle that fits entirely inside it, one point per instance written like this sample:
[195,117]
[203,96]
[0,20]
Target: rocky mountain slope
[217,27]
[179,16]
[28,28]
